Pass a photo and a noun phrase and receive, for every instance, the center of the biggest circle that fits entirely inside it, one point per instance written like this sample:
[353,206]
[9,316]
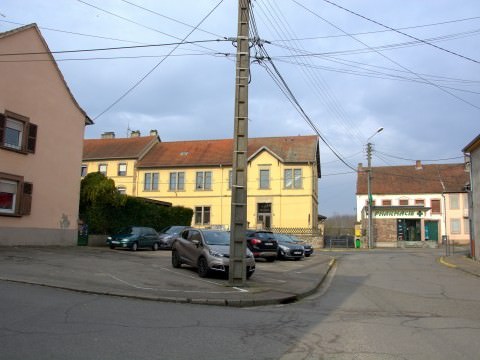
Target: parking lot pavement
[149,275]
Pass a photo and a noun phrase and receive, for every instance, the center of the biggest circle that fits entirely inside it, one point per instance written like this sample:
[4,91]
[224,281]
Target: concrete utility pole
[238,223]
[369,190]
[371,243]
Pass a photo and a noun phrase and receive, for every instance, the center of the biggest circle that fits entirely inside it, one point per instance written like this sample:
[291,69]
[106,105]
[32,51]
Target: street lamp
[369,188]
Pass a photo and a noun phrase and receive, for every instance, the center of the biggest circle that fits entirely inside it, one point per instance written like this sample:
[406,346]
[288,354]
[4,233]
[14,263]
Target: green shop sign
[398,213]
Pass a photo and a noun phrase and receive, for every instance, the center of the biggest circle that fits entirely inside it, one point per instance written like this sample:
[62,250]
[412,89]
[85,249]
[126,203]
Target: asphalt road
[395,304]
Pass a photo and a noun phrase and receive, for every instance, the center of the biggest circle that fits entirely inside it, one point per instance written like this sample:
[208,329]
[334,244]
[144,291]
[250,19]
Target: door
[431,230]
[264,217]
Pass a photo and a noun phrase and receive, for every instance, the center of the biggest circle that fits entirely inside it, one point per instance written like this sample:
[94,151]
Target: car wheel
[134,246]
[176,262]
[155,246]
[271,259]
[249,274]
[203,267]
[280,255]
[112,246]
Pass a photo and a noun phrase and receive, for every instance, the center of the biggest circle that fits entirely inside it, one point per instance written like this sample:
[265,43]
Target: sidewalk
[461,262]
[149,275]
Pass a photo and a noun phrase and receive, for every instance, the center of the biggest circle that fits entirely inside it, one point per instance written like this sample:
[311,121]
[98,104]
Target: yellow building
[282,179]
[117,158]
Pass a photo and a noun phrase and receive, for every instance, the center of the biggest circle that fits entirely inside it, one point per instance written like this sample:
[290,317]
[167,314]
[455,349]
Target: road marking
[442,261]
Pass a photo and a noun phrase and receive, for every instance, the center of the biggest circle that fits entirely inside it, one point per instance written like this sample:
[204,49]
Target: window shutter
[32,138]
[2,127]
[26,200]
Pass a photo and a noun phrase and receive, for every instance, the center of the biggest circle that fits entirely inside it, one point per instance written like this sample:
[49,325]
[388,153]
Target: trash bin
[82,239]
[358,243]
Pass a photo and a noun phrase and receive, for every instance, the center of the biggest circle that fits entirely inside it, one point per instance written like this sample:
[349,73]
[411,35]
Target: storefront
[397,226]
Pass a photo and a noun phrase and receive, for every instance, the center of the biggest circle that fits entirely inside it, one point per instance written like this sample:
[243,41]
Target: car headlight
[283,247]
[216,253]
[109,238]
[124,240]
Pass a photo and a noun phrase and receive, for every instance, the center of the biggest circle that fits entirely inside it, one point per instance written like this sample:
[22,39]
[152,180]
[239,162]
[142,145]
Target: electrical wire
[157,65]
[402,33]
[389,59]
[426,160]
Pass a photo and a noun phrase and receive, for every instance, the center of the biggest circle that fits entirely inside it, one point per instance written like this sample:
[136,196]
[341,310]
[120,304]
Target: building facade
[41,139]
[415,205]
[472,150]
[282,180]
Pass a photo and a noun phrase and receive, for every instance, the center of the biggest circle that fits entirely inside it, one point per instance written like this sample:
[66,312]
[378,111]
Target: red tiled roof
[121,148]
[295,149]
[409,180]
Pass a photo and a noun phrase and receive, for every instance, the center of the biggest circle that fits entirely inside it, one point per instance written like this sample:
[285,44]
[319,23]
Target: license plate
[297,253]
[268,244]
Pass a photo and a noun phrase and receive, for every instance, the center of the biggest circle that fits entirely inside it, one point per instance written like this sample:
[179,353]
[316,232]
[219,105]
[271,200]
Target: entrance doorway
[408,230]
[264,215]
[431,230]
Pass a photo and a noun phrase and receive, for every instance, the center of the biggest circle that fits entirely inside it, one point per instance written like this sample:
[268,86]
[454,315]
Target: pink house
[41,139]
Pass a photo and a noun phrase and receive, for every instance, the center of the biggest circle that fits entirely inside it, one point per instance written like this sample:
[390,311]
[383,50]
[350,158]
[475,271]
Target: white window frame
[151,181]
[455,226]
[84,170]
[17,126]
[122,169]
[202,211]
[100,166]
[454,200]
[176,181]
[262,182]
[203,180]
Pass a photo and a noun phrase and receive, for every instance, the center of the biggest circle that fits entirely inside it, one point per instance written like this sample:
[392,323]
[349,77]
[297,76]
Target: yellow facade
[122,171]
[272,201]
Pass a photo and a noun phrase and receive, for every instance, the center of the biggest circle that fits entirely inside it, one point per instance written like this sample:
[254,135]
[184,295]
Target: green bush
[106,211]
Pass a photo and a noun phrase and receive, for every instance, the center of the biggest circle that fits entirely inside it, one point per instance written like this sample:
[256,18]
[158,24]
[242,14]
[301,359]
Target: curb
[288,299]
[442,261]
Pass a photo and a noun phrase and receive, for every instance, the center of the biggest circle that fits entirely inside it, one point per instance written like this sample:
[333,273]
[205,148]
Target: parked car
[208,251]
[288,248]
[262,244]
[308,247]
[168,234]
[135,237]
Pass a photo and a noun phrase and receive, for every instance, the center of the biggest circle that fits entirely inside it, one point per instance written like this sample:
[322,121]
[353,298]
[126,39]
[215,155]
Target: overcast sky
[349,74]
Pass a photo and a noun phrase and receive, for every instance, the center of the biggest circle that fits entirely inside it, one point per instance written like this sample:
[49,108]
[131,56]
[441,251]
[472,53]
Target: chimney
[135,133]
[153,133]
[418,165]
[108,135]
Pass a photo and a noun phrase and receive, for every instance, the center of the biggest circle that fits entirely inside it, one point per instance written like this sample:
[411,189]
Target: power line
[113,48]
[432,160]
[389,59]
[157,65]
[402,33]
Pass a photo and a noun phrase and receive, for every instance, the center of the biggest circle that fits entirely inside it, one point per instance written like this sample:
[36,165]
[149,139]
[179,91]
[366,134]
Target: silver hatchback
[206,250]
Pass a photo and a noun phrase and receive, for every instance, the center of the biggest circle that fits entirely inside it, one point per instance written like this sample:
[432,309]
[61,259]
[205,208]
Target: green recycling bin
[358,244]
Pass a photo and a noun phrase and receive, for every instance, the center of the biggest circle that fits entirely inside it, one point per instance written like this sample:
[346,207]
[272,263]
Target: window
[264,179]
[465,201]
[230,175]
[84,170]
[122,169]
[292,179]
[151,182]
[435,204]
[466,226]
[202,215]
[177,181]
[387,202]
[122,190]
[15,195]
[102,169]
[403,202]
[454,201]
[420,202]
[455,226]
[203,180]
[17,133]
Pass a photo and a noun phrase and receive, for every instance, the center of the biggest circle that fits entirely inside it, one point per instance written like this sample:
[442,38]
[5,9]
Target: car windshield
[129,231]
[264,235]
[173,230]
[284,238]
[217,237]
